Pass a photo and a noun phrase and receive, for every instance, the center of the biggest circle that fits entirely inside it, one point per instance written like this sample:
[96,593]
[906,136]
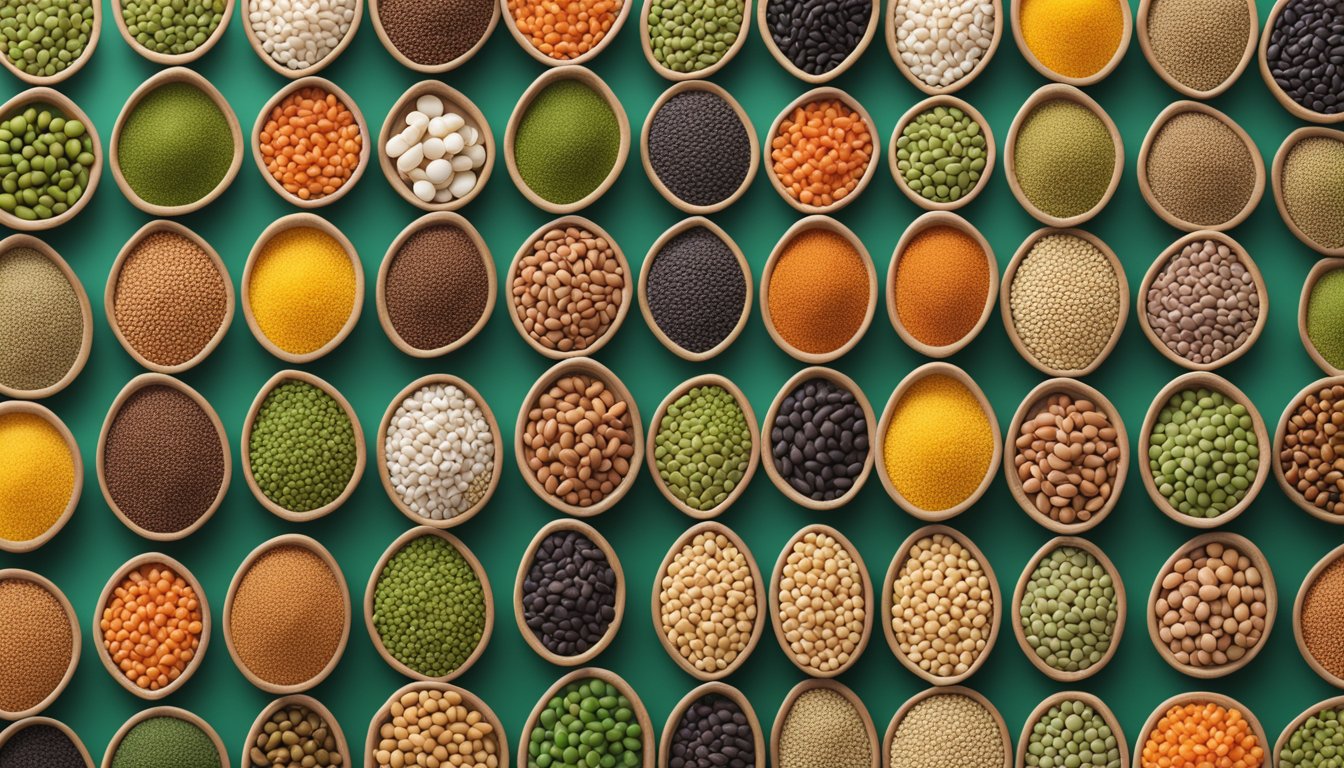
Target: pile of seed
[1313,189]
[1313,744]
[568,289]
[939,444]
[1310,456]
[36,644]
[436,32]
[942,606]
[302,448]
[172,29]
[821,602]
[941,286]
[698,147]
[690,37]
[437,287]
[818,292]
[43,38]
[1211,607]
[1067,457]
[707,602]
[579,440]
[560,736]
[296,735]
[176,146]
[440,452]
[1303,54]
[1325,317]
[166,740]
[1203,452]
[817,35]
[152,626]
[162,461]
[1199,170]
[1323,618]
[942,42]
[696,290]
[423,725]
[429,606]
[170,298]
[1203,303]
[1072,733]
[822,727]
[39,745]
[569,593]
[819,441]
[39,477]
[287,34]
[702,449]
[1063,158]
[713,732]
[1065,301]
[1069,612]
[941,154]
[46,170]
[41,321]
[948,729]
[567,141]
[1199,44]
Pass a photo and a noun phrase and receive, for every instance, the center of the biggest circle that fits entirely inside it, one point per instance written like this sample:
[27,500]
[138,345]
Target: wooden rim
[21,725]
[173,59]
[161,711]
[1293,108]
[767,456]
[1054,700]
[1020,591]
[44,413]
[395,547]
[703,72]
[893,48]
[1334,702]
[1159,266]
[1318,271]
[811,684]
[85,312]
[1211,381]
[648,751]
[868,33]
[587,367]
[313,546]
[100,646]
[1145,188]
[772,603]
[917,227]
[323,84]
[697,693]
[167,77]
[951,690]
[113,411]
[293,74]
[712,528]
[1006,295]
[296,699]
[110,294]
[71,110]
[19,574]
[590,533]
[361,455]
[1126,32]
[396,119]
[627,293]
[879,440]
[1198,697]
[376,17]
[686,225]
[1299,602]
[928,105]
[468,698]
[888,596]
[583,58]
[1030,407]
[824,93]
[754,458]
[1276,182]
[1042,96]
[754,148]
[1248,52]
[95,34]
[1280,433]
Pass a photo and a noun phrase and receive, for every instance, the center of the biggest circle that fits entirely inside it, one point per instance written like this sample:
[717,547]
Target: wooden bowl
[1145,8]
[21,725]
[1299,603]
[767,456]
[711,528]
[1198,697]
[1334,702]
[699,692]
[1178,108]
[469,699]
[754,152]
[18,574]
[375,15]
[95,34]
[173,59]
[284,224]
[361,455]
[1006,308]
[1294,109]
[703,72]
[100,647]
[1032,405]
[588,532]
[777,574]
[1281,432]
[133,386]
[595,83]
[1160,264]
[704,380]
[437,219]
[396,121]
[893,47]
[824,224]
[470,557]
[161,711]
[786,708]
[1044,95]
[313,546]
[252,40]
[952,690]
[1098,706]
[879,440]
[1320,270]
[917,227]
[928,105]
[110,294]
[386,424]
[264,115]
[687,225]
[649,749]
[285,702]
[627,293]
[86,314]
[41,411]
[824,93]
[1126,32]
[1212,381]
[166,77]
[584,58]
[1020,591]
[888,596]
[1276,182]
[71,110]
[869,32]
[587,367]
[1257,558]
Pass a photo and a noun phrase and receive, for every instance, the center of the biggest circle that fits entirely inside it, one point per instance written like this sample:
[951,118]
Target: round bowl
[927,105]
[588,532]
[18,574]
[1294,109]
[1248,51]
[649,749]
[71,110]
[1334,702]
[173,59]
[311,81]
[584,58]
[21,725]
[868,33]
[86,314]
[161,711]
[754,145]
[952,690]
[436,69]
[321,64]
[893,48]
[18,547]
[824,93]
[1281,433]
[777,574]
[468,698]
[697,693]
[786,708]
[1126,32]
[1299,603]
[1318,271]
[1276,182]
[1198,697]
[703,72]
[284,702]
[95,34]
[396,121]
[917,227]
[704,380]
[1098,706]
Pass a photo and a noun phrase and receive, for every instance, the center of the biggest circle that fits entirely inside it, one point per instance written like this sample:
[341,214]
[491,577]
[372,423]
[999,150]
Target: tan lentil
[1323,618]
[36,643]
[1200,170]
[169,299]
[579,440]
[942,606]
[707,602]
[435,728]
[821,602]
[1067,457]
[823,728]
[948,729]
[568,290]
[1065,301]
[1199,42]
[1211,606]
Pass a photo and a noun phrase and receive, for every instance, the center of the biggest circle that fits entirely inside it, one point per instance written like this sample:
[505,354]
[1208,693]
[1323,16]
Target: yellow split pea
[37,476]
[302,289]
[939,444]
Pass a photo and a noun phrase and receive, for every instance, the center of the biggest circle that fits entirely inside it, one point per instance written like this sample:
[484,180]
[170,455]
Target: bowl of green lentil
[1311,738]
[453,101]
[558,546]
[942,153]
[590,694]
[1199,52]
[1059,728]
[143,25]
[696,43]
[1304,178]
[49,124]
[961,728]
[823,722]
[712,691]
[166,736]
[698,164]
[40,617]
[46,322]
[385,748]
[703,446]
[295,722]
[1319,312]
[60,51]
[40,745]
[822,616]
[34,476]
[1306,460]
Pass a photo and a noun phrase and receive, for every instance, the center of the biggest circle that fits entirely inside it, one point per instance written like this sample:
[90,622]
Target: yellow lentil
[1074,38]
[38,479]
[302,289]
[939,444]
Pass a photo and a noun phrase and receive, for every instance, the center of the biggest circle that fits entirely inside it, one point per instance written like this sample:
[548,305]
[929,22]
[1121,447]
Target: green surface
[370,371]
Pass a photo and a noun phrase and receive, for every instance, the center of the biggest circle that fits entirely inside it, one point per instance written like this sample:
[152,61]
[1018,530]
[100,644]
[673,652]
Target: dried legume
[713,732]
[1301,55]
[569,593]
[438,155]
[43,38]
[429,606]
[816,35]
[172,29]
[1070,612]
[1203,452]
[586,717]
[818,294]
[46,170]
[1203,303]
[688,37]
[1313,744]
[696,290]
[1187,734]
[579,440]
[440,451]
[39,476]
[948,729]
[568,289]
[941,154]
[437,287]
[170,298]
[36,644]
[821,602]
[1310,454]
[296,735]
[302,289]
[941,285]
[698,146]
[1072,733]
[41,321]
[310,143]
[1065,302]
[302,448]
[943,42]
[152,625]
[942,606]
[703,447]
[1199,170]
[1313,189]
[166,742]
[565,32]
[175,146]
[285,33]
[819,441]
[1199,44]
[1068,458]
[567,141]
[939,443]
[1211,607]
[707,602]
[822,151]
[425,723]
[1064,158]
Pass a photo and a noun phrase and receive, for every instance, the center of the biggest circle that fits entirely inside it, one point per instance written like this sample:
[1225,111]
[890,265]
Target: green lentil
[588,724]
[691,35]
[172,27]
[1064,158]
[566,143]
[302,448]
[1316,743]
[44,37]
[941,154]
[1203,452]
[703,447]
[429,606]
[1071,735]
[175,146]
[166,742]
[1069,611]
[45,161]
[1325,317]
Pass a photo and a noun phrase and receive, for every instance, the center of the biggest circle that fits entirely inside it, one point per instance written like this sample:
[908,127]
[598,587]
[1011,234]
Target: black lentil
[569,593]
[820,440]
[817,35]
[40,746]
[696,290]
[713,733]
[699,148]
[1306,54]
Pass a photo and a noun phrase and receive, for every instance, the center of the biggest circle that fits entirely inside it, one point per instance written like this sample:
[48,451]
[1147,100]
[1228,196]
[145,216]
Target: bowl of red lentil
[836,718]
[805,129]
[308,126]
[1317,612]
[812,629]
[43,491]
[941,270]
[928,105]
[454,101]
[1221,725]
[531,24]
[55,372]
[37,662]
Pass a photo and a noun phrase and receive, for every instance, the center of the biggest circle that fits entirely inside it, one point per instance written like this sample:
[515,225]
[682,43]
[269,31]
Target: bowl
[951,690]
[71,110]
[325,85]
[1294,109]
[396,120]
[776,621]
[86,313]
[684,86]
[704,380]
[1126,32]
[1145,8]
[173,59]
[375,16]
[1281,433]
[786,708]
[1299,603]
[584,58]
[285,702]
[21,725]
[18,547]
[893,47]
[703,72]
[1318,271]
[699,692]
[95,34]
[161,711]
[917,227]
[588,532]
[1198,697]
[18,574]
[825,93]
[292,74]
[1334,702]
[1098,706]
[927,105]
[648,751]
[869,32]
[1276,182]
[469,699]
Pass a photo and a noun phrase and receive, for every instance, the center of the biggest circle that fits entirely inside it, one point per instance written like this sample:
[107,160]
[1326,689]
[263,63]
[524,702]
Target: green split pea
[429,607]
[1203,453]
[302,448]
[172,27]
[44,37]
[1317,743]
[1072,735]
[45,163]
[941,154]
[703,447]
[589,724]
[691,35]
[1068,612]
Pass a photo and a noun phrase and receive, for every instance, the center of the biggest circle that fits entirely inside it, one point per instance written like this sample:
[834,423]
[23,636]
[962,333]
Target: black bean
[569,593]
[713,733]
[1304,52]
[819,440]
[699,148]
[817,35]
[40,746]
[696,290]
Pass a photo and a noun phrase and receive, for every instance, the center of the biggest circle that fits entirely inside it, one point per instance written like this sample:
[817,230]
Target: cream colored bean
[942,606]
[821,603]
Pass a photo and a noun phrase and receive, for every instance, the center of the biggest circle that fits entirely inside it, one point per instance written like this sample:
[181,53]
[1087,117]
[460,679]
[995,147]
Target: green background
[370,371]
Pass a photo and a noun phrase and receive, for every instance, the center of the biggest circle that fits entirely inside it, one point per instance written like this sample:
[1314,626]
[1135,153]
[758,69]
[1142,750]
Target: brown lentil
[1067,457]
[169,299]
[942,606]
[579,440]
[437,287]
[432,727]
[821,602]
[1211,607]
[296,735]
[1204,303]
[41,321]
[1199,169]
[824,728]
[1199,43]
[707,602]
[1312,453]
[1323,618]
[1065,301]
[434,32]
[568,290]
[36,643]
[948,729]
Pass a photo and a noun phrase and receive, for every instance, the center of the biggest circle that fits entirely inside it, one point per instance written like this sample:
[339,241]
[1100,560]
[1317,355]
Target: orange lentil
[818,293]
[1202,735]
[564,30]
[821,152]
[942,280]
[311,143]
[152,626]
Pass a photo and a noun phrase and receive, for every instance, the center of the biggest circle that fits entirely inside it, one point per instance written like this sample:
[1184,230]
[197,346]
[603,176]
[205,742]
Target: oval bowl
[1126,32]
[869,32]
[174,59]
[468,698]
[649,750]
[703,72]
[1098,706]
[284,702]
[544,59]
[753,143]
[255,43]
[321,83]
[1248,52]
[85,310]
[786,709]
[588,532]
[162,711]
[18,574]
[41,411]
[1299,603]
[825,93]
[917,227]
[20,725]
[95,34]
[1276,182]
[1020,591]
[952,690]
[699,692]
[1318,271]
[1198,697]
[396,120]
[893,48]
[1334,702]
[928,105]
[1294,109]
[438,69]
[776,575]
[70,110]
[1281,433]
[704,380]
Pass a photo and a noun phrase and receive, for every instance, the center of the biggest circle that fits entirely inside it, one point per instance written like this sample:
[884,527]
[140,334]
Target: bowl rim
[436,69]
[1193,697]
[20,725]
[1059,697]
[1290,143]
[174,59]
[95,34]
[1319,270]
[581,59]
[1281,432]
[1126,32]
[1293,108]
[1333,702]
[1299,601]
